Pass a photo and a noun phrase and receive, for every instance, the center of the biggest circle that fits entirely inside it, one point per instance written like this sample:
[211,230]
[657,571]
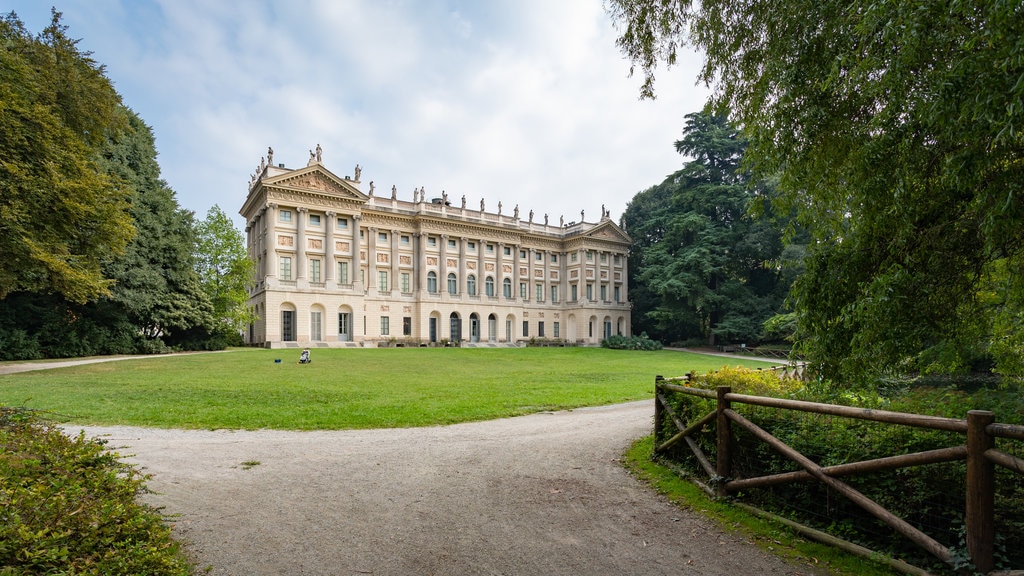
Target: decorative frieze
[286,241]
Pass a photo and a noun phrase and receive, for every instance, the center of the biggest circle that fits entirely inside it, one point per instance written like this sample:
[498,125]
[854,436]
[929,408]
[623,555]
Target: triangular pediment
[316,179]
[608,230]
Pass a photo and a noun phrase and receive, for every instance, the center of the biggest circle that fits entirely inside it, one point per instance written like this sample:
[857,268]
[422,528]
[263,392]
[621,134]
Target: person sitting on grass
[304,357]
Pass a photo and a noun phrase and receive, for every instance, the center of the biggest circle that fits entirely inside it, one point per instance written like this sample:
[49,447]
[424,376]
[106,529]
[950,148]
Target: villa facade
[337,266]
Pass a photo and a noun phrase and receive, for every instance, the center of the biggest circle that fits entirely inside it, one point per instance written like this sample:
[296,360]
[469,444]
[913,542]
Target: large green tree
[226,270]
[896,130]
[61,216]
[707,265]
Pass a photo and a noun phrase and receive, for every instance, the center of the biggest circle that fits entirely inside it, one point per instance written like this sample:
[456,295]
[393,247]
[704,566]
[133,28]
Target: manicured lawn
[346,388]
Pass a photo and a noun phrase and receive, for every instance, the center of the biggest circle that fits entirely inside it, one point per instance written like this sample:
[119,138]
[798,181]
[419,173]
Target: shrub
[67,506]
[641,342]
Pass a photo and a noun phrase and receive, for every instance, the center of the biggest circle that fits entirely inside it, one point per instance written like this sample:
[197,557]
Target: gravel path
[540,494]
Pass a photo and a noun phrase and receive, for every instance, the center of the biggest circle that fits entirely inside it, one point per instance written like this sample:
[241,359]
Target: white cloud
[522,101]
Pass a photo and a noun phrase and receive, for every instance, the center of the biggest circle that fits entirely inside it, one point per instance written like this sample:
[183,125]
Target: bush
[641,342]
[67,506]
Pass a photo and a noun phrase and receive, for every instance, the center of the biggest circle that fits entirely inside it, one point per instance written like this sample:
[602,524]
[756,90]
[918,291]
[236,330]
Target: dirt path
[541,494]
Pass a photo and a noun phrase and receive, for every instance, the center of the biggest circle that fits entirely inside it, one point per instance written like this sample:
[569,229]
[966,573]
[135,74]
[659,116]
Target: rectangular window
[343,272]
[526,328]
[314,220]
[618,259]
[431,241]
[451,243]
[315,326]
[407,326]
[385,326]
[539,257]
[490,248]
[342,224]
[382,280]
[405,283]
[344,326]
[590,256]
[522,254]
[604,257]
[575,293]
[604,293]
[590,291]
[540,329]
[405,240]
[382,236]
[554,258]
[522,290]
[472,246]
[573,257]
[508,250]
[288,325]
[314,270]
[554,330]
[554,294]
[286,268]
[539,292]
[617,295]
[285,215]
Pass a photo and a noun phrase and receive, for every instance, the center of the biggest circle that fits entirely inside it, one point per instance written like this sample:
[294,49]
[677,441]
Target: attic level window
[314,220]
[285,215]
[343,223]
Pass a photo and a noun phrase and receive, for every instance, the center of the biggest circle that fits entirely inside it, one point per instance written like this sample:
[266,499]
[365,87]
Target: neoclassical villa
[340,266]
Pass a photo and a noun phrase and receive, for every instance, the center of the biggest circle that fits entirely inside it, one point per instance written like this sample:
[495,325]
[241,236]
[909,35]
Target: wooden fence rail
[978,450]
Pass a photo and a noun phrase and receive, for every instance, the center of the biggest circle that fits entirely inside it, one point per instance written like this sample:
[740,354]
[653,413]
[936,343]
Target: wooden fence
[979,428]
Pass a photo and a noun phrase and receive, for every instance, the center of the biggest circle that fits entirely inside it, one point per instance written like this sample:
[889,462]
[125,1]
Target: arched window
[471,285]
[432,282]
[506,286]
[489,286]
[453,284]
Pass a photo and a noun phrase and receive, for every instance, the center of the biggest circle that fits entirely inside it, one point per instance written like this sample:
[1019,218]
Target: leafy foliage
[895,128]
[67,506]
[925,496]
[705,263]
[641,342]
[225,268]
[61,216]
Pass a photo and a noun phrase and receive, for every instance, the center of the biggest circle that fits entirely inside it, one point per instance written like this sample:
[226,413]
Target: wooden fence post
[980,491]
[723,463]
[658,414]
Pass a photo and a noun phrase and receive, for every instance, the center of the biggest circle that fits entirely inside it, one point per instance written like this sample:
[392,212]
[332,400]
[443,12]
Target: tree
[157,287]
[895,129]
[707,266]
[61,216]
[223,264]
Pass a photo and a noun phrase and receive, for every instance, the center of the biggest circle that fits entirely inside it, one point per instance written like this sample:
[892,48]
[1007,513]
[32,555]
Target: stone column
[515,271]
[624,296]
[481,268]
[329,264]
[396,276]
[270,239]
[563,276]
[531,256]
[420,260]
[300,243]
[371,258]
[499,271]
[356,266]
[463,276]
[547,276]
[442,268]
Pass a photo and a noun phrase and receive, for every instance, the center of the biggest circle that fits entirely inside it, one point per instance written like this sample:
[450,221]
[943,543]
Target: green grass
[346,388]
[771,536]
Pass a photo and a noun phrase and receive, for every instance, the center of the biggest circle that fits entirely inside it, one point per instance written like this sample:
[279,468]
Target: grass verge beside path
[347,388]
[773,537]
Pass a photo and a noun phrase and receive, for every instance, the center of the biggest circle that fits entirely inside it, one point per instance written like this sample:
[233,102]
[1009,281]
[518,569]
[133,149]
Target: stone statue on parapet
[531,216]
[394,192]
[463,201]
[270,156]
[359,172]
[515,213]
[372,188]
[320,154]
[481,204]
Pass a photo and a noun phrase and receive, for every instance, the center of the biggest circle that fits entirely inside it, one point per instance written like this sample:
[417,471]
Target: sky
[526,102]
